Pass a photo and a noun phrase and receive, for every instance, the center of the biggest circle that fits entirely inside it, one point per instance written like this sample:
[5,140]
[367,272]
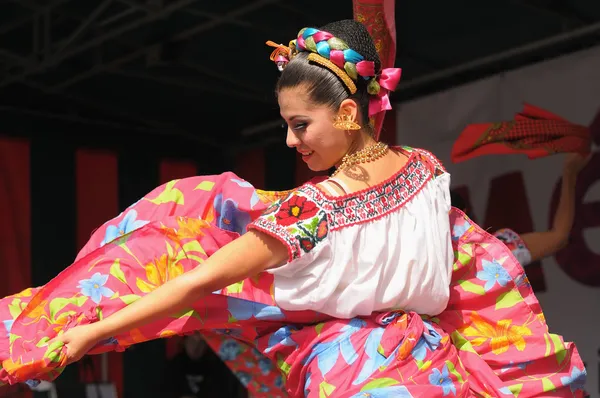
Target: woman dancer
[360,285]
[533,246]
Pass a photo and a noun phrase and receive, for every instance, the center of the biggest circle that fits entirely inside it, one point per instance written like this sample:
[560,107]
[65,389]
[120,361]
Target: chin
[316,164]
[317,167]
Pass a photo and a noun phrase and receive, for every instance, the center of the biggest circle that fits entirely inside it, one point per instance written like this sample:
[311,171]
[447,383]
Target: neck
[360,142]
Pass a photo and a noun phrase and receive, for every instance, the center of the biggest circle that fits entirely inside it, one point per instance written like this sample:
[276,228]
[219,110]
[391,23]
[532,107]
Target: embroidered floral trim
[376,202]
[296,209]
[431,157]
[297,222]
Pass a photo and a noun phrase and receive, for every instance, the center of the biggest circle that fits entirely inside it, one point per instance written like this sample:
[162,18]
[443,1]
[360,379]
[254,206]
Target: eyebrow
[297,117]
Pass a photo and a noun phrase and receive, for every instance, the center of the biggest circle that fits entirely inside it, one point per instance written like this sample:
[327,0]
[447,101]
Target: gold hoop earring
[345,122]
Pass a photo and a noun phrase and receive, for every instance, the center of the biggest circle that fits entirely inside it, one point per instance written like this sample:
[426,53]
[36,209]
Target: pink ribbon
[321,35]
[388,81]
[366,68]
[337,57]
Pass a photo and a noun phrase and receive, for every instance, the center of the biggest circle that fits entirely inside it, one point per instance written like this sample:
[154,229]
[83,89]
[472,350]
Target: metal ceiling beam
[188,84]
[85,24]
[102,22]
[191,11]
[311,16]
[137,5]
[155,53]
[213,16]
[14,58]
[116,17]
[15,24]
[593,29]
[37,19]
[223,19]
[32,5]
[164,128]
[176,5]
[140,52]
[242,83]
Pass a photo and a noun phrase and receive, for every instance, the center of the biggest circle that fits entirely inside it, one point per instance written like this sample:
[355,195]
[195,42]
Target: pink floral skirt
[491,341]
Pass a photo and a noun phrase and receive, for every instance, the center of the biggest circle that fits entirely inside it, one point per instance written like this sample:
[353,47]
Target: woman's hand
[79,341]
[543,244]
[574,163]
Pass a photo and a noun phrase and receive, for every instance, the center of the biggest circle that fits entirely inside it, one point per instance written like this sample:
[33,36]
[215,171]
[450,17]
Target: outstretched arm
[543,244]
[246,256]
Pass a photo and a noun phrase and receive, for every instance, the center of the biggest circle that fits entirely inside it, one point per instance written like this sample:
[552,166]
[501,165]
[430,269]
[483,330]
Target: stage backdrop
[512,191]
[53,194]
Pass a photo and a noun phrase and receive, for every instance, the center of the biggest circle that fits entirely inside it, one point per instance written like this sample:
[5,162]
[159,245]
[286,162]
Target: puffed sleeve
[516,245]
[298,222]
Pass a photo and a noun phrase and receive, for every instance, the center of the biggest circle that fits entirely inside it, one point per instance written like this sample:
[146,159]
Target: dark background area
[180,73]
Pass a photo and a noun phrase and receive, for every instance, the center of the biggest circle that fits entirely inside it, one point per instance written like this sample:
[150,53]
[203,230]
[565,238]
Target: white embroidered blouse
[382,248]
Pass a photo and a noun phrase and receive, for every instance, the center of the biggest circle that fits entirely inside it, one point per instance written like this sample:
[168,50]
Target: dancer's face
[310,129]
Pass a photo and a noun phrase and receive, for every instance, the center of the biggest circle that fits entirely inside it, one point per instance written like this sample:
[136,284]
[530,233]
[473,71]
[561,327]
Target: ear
[350,108]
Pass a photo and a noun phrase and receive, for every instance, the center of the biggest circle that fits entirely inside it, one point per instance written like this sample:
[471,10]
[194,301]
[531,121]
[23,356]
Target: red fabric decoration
[534,132]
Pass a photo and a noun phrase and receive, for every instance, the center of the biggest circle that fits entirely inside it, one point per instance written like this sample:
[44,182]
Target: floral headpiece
[334,54]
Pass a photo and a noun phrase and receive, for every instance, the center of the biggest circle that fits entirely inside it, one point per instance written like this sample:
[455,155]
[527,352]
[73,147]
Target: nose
[292,140]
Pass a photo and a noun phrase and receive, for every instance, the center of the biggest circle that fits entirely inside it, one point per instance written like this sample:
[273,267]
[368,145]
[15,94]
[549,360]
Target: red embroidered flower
[295,209]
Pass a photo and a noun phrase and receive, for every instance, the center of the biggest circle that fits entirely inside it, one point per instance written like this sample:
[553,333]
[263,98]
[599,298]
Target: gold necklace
[366,155]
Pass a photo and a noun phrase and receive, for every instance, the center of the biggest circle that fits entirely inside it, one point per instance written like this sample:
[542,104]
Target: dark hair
[324,86]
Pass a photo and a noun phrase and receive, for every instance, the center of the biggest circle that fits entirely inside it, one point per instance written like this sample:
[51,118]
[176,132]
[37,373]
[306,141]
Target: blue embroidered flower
[265,365]
[245,378]
[128,224]
[94,287]
[263,388]
[8,325]
[442,379]
[229,350]
[256,353]
[279,381]
[493,272]
[576,380]
[243,310]
[384,392]
[230,217]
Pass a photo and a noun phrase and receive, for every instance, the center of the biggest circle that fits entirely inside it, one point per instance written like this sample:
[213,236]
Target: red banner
[15,234]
